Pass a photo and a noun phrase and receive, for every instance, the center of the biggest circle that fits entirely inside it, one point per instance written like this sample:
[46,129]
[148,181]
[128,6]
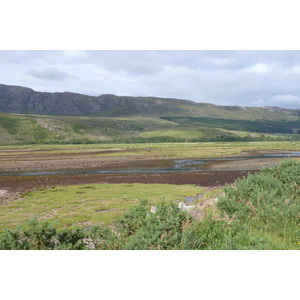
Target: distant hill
[22,100]
[27,116]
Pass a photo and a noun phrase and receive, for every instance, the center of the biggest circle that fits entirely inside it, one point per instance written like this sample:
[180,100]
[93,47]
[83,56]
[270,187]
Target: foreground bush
[269,201]
[167,228]
[273,194]
[41,236]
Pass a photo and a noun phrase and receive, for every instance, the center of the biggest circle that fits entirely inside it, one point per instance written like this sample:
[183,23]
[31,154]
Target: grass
[92,204]
[186,134]
[263,126]
[155,150]
[11,125]
[21,129]
[282,145]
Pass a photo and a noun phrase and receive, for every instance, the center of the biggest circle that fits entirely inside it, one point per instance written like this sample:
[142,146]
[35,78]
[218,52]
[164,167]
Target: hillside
[21,100]
[27,116]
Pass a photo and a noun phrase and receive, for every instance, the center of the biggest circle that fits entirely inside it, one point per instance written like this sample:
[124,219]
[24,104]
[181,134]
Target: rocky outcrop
[22,100]
[15,99]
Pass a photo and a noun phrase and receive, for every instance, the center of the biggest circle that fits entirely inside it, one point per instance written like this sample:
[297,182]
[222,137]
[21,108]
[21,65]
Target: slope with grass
[27,116]
[38,129]
[262,126]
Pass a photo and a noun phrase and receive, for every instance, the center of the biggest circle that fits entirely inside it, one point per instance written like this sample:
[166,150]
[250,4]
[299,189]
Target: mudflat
[24,160]
[212,178]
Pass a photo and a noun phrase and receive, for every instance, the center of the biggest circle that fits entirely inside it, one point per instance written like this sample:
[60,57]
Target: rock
[153,209]
[191,207]
[17,99]
[185,207]
[182,206]
[3,193]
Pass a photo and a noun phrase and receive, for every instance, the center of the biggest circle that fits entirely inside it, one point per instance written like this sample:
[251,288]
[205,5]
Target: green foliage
[70,239]
[133,220]
[271,194]
[164,229]
[103,238]
[36,235]
[266,126]
[40,133]
[10,124]
[25,129]
[268,202]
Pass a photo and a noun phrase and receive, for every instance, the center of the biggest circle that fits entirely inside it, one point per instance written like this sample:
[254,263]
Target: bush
[164,229]
[272,194]
[103,238]
[268,202]
[36,235]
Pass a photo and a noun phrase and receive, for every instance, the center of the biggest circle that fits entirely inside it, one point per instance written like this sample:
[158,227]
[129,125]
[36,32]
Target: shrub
[37,235]
[269,203]
[167,228]
[103,238]
[272,194]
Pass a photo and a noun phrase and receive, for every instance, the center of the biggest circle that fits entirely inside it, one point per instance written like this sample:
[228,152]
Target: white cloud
[295,70]
[259,68]
[221,61]
[74,53]
[286,100]
[48,74]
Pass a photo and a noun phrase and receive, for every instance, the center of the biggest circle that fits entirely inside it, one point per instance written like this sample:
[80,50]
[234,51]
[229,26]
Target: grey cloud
[131,62]
[289,101]
[246,78]
[49,74]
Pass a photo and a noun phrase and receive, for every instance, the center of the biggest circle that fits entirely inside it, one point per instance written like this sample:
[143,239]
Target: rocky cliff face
[15,99]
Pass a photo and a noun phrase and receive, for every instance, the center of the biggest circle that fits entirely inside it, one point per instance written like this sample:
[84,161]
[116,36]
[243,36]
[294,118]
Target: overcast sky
[245,78]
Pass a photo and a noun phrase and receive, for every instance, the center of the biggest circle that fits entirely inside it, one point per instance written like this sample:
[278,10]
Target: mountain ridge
[24,100]
[29,117]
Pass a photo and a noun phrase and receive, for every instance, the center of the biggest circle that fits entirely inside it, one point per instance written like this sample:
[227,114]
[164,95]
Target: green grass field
[156,150]
[89,204]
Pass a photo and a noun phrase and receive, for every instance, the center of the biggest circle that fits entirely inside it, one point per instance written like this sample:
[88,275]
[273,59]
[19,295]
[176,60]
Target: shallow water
[176,165]
[192,199]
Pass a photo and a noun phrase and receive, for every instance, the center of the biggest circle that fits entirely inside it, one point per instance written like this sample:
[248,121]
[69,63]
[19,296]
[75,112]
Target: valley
[29,117]
[79,160]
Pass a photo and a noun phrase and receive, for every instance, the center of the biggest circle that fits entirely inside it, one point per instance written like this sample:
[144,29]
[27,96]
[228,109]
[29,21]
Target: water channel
[175,165]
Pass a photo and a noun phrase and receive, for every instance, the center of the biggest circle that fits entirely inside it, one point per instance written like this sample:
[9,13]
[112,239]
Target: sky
[244,78]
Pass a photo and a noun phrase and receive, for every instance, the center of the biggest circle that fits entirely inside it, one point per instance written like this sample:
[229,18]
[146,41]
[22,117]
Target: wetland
[203,164]
[85,185]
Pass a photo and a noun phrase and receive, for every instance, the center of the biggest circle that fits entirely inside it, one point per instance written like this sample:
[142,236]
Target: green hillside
[263,126]
[28,117]
[29,129]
